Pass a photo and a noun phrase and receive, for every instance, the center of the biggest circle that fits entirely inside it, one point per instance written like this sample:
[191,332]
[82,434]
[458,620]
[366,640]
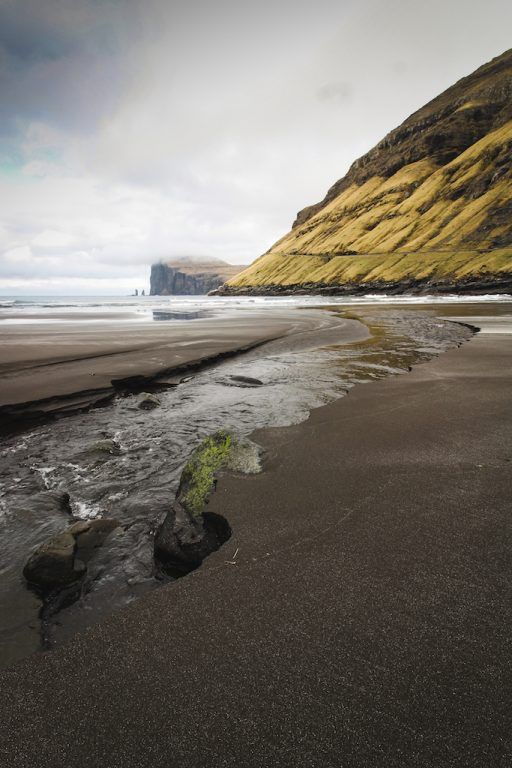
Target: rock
[188,534]
[246,381]
[62,560]
[199,474]
[52,565]
[148,401]
[183,541]
[245,457]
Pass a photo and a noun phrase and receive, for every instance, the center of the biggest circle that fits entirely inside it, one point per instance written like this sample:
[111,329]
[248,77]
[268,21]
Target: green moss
[198,476]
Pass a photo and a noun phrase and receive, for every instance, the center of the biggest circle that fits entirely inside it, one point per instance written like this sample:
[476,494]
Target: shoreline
[474,285]
[368,592]
[46,379]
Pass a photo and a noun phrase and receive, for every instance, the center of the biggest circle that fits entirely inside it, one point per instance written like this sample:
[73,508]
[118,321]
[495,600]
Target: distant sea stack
[428,210]
[186,276]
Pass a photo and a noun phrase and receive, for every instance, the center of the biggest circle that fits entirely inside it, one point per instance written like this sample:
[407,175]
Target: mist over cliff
[188,276]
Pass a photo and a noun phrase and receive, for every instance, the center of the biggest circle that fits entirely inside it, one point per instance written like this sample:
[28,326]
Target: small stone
[107,446]
[246,381]
[148,401]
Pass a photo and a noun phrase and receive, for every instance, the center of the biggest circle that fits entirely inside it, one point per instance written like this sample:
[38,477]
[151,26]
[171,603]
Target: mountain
[189,275]
[428,209]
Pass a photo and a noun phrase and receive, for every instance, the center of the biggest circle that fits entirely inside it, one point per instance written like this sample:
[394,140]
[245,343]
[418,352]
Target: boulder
[52,565]
[62,560]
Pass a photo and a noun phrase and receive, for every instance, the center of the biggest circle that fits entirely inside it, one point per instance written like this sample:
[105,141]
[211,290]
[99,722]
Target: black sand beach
[359,616]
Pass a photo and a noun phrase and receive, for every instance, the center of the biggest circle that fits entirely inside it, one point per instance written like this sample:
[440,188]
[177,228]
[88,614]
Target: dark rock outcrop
[183,541]
[188,533]
[476,286]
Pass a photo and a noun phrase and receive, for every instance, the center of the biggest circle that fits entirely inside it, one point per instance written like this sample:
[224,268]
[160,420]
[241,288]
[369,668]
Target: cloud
[131,131]
[338,91]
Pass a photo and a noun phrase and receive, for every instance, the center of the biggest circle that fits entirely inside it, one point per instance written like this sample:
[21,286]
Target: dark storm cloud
[60,62]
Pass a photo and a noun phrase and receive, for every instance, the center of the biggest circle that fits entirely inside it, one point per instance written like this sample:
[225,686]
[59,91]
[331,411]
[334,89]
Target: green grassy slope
[431,203]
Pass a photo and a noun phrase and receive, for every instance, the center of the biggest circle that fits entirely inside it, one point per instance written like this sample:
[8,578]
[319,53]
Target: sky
[132,132]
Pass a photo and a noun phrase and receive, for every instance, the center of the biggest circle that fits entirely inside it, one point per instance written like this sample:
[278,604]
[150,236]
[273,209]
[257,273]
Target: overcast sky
[132,131]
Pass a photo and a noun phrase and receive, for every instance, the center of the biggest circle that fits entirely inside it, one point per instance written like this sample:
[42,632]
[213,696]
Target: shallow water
[26,310]
[136,485]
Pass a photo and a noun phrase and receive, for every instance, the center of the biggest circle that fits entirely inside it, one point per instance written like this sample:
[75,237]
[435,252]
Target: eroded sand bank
[57,367]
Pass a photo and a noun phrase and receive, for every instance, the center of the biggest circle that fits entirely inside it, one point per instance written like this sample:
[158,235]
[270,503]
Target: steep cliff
[190,277]
[428,209]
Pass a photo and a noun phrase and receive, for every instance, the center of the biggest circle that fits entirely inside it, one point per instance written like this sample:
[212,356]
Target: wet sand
[359,616]
[53,368]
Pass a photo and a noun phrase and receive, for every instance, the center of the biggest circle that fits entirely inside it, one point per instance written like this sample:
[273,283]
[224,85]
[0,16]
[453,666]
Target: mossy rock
[199,475]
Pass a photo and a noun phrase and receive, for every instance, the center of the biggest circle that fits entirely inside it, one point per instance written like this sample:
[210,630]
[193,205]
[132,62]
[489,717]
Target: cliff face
[183,277]
[428,208]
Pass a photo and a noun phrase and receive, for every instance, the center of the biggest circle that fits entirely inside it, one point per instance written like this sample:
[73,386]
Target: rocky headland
[184,277]
[427,210]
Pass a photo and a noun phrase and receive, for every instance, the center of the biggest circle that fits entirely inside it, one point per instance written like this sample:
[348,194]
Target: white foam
[45,473]
[83,510]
